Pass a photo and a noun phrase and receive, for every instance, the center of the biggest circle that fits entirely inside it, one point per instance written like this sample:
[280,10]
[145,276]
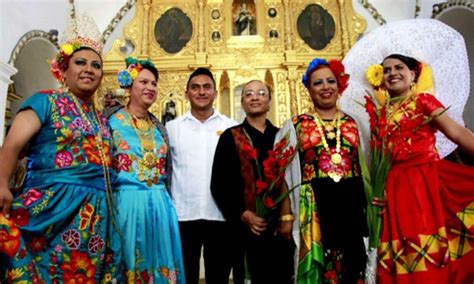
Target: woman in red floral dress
[330,200]
[427,234]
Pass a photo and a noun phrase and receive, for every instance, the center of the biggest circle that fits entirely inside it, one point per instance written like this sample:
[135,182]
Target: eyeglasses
[250,93]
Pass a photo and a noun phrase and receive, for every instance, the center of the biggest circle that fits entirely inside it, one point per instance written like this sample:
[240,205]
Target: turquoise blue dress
[60,229]
[147,217]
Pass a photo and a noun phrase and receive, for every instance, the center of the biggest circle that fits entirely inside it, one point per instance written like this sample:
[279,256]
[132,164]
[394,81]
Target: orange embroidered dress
[428,227]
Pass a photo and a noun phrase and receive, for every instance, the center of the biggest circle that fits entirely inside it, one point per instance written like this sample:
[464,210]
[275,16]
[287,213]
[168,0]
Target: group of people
[115,196]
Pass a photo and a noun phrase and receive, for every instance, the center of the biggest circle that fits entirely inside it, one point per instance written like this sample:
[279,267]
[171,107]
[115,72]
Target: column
[6,71]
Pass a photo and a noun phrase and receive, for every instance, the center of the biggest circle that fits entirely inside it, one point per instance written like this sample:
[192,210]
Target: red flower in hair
[342,77]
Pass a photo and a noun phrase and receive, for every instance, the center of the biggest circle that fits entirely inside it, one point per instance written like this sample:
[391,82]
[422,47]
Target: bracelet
[287,217]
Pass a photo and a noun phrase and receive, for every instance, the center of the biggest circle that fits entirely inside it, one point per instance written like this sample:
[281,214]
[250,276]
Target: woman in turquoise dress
[147,217]
[58,227]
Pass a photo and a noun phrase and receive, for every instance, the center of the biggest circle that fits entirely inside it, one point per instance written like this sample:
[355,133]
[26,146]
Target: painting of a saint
[316,26]
[173,30]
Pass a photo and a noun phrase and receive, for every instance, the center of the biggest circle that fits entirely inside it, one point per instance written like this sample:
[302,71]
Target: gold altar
[238,40]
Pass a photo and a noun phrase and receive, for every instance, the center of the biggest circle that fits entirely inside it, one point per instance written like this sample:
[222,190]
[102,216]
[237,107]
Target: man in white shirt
[193,139]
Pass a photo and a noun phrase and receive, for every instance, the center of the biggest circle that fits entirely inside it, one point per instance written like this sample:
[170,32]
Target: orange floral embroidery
[90,149]
[88,218]
[79,269]
[9,236]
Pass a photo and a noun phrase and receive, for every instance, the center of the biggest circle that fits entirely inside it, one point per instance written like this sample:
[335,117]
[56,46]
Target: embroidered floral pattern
[95,244]
[71,238]
[122,162]
[316,161]
[79,269]
[9,236]
[76,142]
[125,158]
[69,242]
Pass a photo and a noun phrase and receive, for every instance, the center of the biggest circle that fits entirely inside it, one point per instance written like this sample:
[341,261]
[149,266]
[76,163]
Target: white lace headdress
[430,42]
[81,32]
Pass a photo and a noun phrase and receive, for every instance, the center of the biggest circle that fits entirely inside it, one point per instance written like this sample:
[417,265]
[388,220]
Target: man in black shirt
[265,242]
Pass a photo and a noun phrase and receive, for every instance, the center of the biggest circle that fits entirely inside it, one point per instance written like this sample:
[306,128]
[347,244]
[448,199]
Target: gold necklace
[144,129]
[336,158]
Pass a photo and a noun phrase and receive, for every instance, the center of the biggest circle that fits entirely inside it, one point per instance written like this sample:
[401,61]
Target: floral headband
[126,76]
[335,66]
[60,63]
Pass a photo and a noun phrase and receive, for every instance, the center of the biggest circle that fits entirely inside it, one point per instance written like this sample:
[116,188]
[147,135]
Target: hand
[256,224]
[285,229]
[6,198]
[380,202]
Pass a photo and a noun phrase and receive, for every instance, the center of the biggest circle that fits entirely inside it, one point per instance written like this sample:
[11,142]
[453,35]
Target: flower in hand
[256,224]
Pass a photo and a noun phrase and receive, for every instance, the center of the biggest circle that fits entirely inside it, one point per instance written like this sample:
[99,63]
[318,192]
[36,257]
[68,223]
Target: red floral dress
[338,224]
[428,226]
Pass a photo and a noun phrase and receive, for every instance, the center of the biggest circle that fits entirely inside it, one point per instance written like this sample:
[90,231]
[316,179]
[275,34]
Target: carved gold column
[292,81]
[290,53]
[145,29]
[288,33]
[200,53]
[201,26]
[344,28]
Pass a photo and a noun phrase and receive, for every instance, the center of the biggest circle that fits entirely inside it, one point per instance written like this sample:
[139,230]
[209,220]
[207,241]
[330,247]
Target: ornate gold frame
[234,60]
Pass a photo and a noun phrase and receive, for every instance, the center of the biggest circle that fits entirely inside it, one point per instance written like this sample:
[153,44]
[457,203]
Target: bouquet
[380,162]
[390,136]
[274,167]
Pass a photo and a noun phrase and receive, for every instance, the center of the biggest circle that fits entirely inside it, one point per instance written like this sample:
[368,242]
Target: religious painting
[316,26]
[244,19]
[173,30]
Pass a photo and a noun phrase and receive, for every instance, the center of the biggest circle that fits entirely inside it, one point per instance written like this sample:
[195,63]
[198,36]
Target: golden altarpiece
[238,40]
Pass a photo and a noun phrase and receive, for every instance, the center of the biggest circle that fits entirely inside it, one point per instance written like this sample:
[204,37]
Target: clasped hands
[258,224]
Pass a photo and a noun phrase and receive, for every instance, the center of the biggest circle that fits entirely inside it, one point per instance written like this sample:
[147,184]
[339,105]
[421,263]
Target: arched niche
[32,58]
[223,99]
[461,17]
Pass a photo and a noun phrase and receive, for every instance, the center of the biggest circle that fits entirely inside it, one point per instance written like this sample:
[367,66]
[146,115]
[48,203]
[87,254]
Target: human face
[397,77]
[323,89]
[84,73]
[201,93]
[143,90]
[255,99]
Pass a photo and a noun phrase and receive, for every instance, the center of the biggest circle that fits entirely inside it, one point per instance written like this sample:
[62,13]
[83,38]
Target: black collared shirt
[227,182]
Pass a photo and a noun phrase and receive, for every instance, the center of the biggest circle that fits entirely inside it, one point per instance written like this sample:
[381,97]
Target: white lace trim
[429,41]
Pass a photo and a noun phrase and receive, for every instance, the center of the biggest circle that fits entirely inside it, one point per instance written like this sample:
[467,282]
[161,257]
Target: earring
[412,86]
[63,86]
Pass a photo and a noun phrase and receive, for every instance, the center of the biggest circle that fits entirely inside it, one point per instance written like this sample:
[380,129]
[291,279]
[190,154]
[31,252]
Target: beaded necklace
[144,129]
[336,157]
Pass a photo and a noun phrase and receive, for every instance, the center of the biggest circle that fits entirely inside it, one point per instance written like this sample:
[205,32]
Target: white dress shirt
[193,144]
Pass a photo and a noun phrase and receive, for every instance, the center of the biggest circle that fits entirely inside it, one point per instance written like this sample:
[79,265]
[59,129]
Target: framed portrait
[316,26]
[173,30]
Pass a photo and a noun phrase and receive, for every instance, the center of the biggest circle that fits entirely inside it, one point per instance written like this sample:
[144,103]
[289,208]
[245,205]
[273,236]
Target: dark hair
[410,62]
[256,80]
[63,67]
[201,71]
[152,69]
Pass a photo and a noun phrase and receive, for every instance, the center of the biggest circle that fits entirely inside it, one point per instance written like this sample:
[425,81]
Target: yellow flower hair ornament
[374,75]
